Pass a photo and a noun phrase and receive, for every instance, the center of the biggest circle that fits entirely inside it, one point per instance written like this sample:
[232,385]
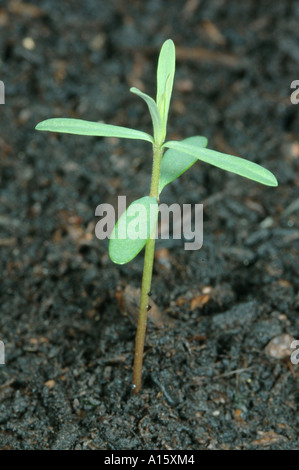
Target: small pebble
[279,347]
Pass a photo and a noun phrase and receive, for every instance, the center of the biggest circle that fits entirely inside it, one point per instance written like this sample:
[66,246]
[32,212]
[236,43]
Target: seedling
[176,160]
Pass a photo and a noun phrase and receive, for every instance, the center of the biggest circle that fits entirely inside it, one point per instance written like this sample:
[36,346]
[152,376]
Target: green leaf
[165,77]
[237,165]
[154,112]
[80,127]
[133,229]
[175,163]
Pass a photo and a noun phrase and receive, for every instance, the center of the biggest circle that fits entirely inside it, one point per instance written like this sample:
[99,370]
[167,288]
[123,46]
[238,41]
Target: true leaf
[154,112]
[237,165]
[165,76]
[133,229]
[175,162]
[81,127]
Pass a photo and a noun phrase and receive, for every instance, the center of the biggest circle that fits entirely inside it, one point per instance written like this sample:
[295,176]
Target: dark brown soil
[208,380]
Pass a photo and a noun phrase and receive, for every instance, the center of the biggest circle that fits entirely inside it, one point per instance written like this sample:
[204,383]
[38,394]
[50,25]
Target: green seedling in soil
[166,167]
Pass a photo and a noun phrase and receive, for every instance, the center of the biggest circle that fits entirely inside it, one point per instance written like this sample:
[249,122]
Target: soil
[213,378]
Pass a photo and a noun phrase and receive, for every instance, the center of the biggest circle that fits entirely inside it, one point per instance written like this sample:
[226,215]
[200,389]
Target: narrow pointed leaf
[165,76]
[154,112]
[175,162]
[81,127]
[237,165]
[133,229]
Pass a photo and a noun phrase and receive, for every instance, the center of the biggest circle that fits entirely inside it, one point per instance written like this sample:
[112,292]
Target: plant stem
[146,277]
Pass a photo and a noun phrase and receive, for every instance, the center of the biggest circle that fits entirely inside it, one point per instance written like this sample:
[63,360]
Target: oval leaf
[133,229]
[81,127]
[237,165]
[175,163]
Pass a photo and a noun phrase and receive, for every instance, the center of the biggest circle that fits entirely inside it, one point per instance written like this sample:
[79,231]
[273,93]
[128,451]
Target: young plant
[165,168]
